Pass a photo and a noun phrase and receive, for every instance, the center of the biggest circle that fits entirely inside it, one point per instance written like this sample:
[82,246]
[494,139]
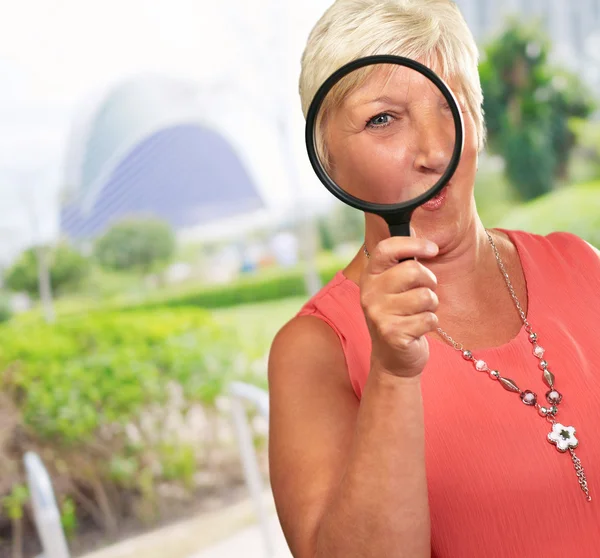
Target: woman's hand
[399,302]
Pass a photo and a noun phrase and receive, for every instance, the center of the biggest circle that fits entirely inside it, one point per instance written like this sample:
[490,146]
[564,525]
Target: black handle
[400,229]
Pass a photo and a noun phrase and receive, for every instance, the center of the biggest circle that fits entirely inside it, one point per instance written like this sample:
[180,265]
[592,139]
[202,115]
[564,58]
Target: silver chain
[511,290]
[509,384]
[580,475]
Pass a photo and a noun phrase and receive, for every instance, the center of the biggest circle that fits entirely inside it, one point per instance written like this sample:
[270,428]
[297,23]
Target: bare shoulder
[310,344]
[313,412]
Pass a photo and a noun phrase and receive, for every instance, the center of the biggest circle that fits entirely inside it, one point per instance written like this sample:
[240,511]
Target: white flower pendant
[563,437]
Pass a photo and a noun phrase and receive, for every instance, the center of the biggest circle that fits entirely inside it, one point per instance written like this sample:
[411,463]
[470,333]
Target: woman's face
[392,138]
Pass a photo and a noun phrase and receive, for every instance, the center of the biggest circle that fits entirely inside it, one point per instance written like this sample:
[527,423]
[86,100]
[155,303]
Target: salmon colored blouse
[497,486]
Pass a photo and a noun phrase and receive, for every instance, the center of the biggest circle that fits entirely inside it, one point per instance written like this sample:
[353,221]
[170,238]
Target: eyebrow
[384,99]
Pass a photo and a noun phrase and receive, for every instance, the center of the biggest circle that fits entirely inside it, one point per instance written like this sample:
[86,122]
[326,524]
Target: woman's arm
[349,481]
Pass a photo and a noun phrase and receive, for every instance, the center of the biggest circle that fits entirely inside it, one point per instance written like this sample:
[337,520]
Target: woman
[390,434]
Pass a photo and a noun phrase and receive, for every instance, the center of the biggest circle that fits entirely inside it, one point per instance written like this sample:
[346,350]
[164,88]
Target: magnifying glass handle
[400,229]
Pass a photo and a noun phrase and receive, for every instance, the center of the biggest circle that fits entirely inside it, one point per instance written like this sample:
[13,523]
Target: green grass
[574,209]
[493,194]
[269,283]
[257,324]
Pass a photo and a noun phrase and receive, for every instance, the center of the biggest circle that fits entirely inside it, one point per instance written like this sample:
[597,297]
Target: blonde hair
[431,31]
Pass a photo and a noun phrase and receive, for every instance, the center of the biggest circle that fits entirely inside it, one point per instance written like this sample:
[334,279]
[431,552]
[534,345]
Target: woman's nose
[435,143]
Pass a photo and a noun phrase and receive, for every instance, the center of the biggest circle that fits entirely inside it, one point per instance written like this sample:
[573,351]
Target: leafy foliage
[105,397]
[528,105]
[68,517]
[5,308]
[13,503]
[86,372]
[342,224]
[68,269]
[136,244]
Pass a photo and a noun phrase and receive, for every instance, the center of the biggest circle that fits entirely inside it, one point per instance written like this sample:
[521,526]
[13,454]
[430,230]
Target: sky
[58,57]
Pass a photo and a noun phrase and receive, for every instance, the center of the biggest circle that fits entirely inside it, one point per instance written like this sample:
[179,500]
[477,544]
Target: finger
[391,251]
[418,325]
[405,276]
[410,303]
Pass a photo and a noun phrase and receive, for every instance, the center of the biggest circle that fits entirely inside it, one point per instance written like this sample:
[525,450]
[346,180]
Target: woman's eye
[379,121]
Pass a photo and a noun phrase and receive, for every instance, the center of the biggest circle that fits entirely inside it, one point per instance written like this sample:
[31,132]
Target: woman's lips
[437,201]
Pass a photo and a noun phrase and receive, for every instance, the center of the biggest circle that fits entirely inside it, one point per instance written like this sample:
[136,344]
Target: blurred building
[144,149]
[573,25]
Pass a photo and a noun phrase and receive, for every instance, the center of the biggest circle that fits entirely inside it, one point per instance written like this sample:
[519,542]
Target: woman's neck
[471,288]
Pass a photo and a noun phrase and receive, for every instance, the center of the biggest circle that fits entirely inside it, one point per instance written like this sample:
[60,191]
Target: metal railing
[45,511]
[47,515]
[242,394]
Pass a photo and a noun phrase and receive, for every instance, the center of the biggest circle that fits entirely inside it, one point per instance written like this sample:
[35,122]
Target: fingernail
[431,248]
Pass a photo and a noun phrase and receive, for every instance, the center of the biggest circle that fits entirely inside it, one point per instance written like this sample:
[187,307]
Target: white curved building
[157,146]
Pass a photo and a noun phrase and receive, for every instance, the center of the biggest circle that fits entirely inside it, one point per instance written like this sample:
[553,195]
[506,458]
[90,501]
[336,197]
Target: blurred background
[159,222]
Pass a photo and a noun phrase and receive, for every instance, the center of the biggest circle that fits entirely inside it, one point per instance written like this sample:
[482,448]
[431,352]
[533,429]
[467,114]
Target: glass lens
[385,134]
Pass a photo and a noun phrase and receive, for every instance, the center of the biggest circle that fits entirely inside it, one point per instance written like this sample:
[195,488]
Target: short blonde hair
[431,31]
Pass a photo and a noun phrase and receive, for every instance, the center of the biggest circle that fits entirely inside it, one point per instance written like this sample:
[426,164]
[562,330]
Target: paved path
[228,533]
[248,543]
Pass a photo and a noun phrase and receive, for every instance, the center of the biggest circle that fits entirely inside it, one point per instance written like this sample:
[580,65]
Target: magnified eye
[380,121]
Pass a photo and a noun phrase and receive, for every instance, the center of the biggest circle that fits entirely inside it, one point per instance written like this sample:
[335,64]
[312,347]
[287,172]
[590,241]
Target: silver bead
[543,365]
[494,374]
[509,385]
[533,337]
[543,411]
[467,355]
[549,378]
[553,410]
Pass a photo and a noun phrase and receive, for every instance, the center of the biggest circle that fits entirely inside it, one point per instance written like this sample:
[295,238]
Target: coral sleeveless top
[497,487]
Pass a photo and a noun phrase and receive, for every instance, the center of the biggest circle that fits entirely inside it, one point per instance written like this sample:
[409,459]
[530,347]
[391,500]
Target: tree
[528,105]
[27,183]
[342,224]
[67,267]
[325,237]
[136,244]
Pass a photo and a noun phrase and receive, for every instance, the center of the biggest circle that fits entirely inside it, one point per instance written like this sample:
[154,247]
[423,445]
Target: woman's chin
[440,222]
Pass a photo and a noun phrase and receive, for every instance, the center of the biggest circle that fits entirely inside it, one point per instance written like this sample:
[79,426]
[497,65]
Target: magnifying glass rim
[311,119]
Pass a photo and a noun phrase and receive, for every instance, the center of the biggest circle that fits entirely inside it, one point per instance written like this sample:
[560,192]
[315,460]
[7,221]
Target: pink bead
[539,351]
[554,397]
[529,398]
[481,366]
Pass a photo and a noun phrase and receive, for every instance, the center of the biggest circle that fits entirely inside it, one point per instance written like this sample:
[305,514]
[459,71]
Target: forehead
[390,82]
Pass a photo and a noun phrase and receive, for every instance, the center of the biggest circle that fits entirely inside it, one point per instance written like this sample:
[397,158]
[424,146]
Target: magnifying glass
[385,135]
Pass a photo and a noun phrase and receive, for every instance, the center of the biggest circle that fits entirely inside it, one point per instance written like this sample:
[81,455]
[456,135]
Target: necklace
[561,436]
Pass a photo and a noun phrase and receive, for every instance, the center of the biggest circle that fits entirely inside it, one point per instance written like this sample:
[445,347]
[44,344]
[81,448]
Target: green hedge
[574,209]
[96,395]
[71,378]
[252,289]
